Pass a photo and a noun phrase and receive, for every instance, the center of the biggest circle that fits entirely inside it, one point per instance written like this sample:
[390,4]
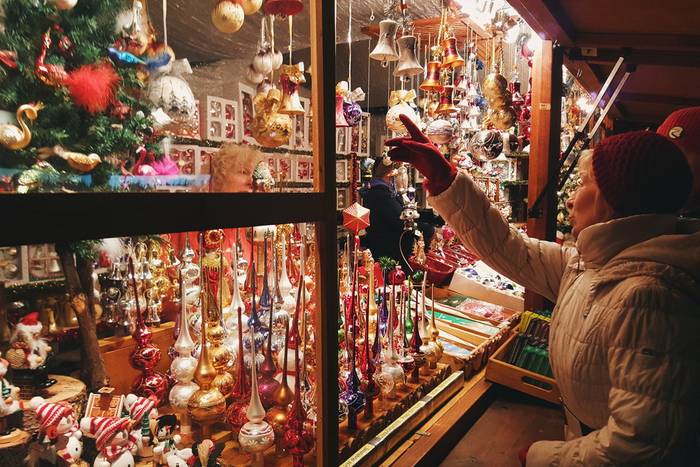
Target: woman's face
[239,181]
[586,205]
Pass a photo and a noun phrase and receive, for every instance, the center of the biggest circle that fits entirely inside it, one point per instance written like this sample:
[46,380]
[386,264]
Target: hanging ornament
[432,78]
[9,58]
[355,218]
[501,113]
[400,103]
[173,94]
[64,4]
[451,57]
[250,6]
[18,137]
[486,144]
[408,64]
[227,16]
[439,131]
[385,50]
[270,127]
[351,109]
[340,121]
[252,75]
[283,7]
[446,106]
[291,76]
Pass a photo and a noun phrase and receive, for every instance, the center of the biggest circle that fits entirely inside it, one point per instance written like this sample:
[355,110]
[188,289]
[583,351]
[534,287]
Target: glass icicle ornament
[212,313]
[283,396]
[433,331]
[280,316]
[236,413]
[236,299]
[353,396]
[183,366]
[415,345]
[405,360]
[265,302]
[298,440]
[207,404]
[268,384]
[256,435]
[390,365]
[285,283]
[427,347]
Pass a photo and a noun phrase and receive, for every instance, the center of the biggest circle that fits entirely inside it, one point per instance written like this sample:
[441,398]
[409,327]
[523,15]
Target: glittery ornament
[227,16]
[145,356]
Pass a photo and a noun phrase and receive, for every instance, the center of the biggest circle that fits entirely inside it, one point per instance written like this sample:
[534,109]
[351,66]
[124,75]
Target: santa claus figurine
[143,414]
[116,448]
[59,434]
[28,352]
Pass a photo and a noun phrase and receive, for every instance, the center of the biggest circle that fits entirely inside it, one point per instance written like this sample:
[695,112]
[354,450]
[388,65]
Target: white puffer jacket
[625,333]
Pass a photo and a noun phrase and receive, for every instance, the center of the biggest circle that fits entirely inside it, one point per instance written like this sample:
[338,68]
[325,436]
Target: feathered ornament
[158,61]
[8,58]
[92,86]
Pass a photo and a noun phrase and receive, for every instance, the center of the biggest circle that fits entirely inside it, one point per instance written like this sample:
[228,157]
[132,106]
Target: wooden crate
[116,352]
[498,371]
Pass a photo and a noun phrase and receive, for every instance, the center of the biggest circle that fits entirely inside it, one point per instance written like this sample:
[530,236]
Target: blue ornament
[157,62]
[124,58]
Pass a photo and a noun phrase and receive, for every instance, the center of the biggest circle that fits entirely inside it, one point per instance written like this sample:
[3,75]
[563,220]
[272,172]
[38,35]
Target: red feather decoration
[92,86]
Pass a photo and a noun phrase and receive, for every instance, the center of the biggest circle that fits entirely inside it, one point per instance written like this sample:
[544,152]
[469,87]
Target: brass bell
[451,57]
[432,78]
[385,50]
[447,106]
[408,63]
[290,77]
[340,121]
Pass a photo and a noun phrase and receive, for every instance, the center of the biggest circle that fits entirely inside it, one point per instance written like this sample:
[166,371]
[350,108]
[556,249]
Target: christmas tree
[91,122]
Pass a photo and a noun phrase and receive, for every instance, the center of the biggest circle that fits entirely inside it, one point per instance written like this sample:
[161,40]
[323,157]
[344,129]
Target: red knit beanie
[683,128]
[641,172]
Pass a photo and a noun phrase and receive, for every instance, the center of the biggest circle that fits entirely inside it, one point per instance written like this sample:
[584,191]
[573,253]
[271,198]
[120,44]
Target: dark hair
[380,169]
[167,420]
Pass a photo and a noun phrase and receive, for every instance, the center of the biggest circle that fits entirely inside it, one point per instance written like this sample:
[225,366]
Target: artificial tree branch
[93,371]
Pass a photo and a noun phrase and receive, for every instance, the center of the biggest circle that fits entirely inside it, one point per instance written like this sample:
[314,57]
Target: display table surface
[66,389]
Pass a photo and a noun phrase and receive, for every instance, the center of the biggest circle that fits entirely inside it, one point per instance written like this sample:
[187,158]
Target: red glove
[522,455]
[424,156]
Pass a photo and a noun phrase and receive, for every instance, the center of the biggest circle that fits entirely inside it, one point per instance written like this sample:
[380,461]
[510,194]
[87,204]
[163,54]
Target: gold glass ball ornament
[65,4]
[250,6]
[227,16]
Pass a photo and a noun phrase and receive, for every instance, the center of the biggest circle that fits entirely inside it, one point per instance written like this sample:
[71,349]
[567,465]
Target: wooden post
[323,101]
[544,145]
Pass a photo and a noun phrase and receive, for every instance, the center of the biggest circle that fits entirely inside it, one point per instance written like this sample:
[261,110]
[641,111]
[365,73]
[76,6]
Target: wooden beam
[680,101]
[547,19]
[635,56]
[544,145]
[652,41]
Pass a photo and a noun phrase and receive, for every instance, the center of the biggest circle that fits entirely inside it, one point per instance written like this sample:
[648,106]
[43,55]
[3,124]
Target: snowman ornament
[143,413]
[59,434]
[116,447]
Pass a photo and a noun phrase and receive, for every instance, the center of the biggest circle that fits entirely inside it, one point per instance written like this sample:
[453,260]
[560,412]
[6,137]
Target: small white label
[545,106]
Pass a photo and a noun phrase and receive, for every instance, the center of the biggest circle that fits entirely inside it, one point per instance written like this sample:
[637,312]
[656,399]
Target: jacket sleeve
[654,370]
[535,264]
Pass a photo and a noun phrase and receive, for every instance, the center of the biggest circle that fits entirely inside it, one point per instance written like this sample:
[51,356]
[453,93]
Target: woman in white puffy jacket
[625,332]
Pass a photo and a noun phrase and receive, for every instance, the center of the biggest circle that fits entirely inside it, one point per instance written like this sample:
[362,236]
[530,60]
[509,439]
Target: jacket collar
[599,243]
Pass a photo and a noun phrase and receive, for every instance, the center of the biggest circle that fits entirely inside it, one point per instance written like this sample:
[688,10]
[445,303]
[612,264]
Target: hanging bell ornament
[408,63]
[290,78]
[451,57]
[250,6]
[447,106]
[227,16]
[283,7]
[385,50]
[270,127]
[399,102]
[340,121]
[432,78]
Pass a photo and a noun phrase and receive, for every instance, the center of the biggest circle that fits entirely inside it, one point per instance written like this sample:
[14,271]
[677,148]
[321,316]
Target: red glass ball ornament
[283,7]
